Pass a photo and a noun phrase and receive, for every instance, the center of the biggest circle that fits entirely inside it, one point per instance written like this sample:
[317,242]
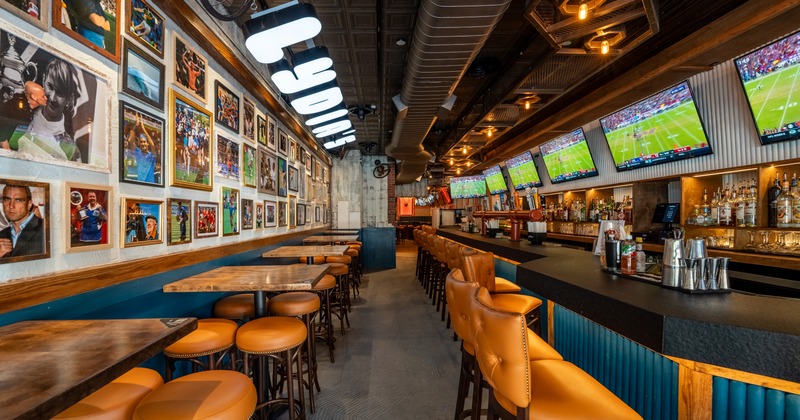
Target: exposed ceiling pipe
[447,37]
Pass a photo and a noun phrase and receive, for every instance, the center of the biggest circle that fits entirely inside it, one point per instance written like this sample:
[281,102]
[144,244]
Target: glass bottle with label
[784,205]
[714,218]
[641,258]
[738,205]
[751,205]
[705,210]
[772,202]
[725,210]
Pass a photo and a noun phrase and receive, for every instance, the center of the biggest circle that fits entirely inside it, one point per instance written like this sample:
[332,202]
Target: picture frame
[318,172]
[143,222]
[34,240]
[308,161]
[302,156]
[282,214]
[270,213]
[249,172]
[301,184]
[191,69]
[261,130]
[145,25]
[282,177]
[292,211]
[179,221]
[89,215]
[190,154]
[292,157]
[314,164]
[226,106]
[141,146]
[85,139]
[36,12]
[259,215]
[301,214]
[307,214]
[293,181]
[271,143]
[227,158]
[283,142]
[316,214]
[142,76]
[324,176]
[248,119]
[229,198]
[247,214]
[205,219]
[267,172]
[66,19]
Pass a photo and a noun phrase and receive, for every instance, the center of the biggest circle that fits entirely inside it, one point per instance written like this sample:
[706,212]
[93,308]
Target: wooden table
[329,239]
[341,232]
[47,366]
[309,252]
[258,279]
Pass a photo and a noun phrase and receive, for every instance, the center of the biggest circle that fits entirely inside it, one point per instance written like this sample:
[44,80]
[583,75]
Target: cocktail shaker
[722,274]
[688,272]
[712,271]
[696,248]
[673,252]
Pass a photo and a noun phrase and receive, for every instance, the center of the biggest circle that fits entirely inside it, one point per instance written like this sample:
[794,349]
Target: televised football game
[468,186]
[769,76]
[523,172]
[567,157]
[661,128]
[495,180]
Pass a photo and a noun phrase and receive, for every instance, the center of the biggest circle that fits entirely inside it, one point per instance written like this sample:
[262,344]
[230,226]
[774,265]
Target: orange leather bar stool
[116,400]
[340,269]
[239,307]
[418,272]
[357,245]
[522,388]
[213,339]
[355,275]
[317,260]
[303,305]
[325,288]
[279,338]
[213,394]
[481,269]
[440,271]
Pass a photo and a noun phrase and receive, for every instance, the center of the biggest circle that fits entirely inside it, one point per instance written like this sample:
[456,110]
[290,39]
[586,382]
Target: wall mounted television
[567,157]
[662,128]
[495,180]
[768,76]
[472,186]
[522,171]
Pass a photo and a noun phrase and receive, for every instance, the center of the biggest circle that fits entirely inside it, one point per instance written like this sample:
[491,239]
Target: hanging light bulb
[465,150]
[604,47]
[451,161]
[469,164]
[458,171]
[527,104]
[583,11]
[489,132]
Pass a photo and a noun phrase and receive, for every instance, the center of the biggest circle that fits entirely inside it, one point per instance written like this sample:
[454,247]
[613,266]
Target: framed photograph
[301,184]
[141,149]
[307,208]
[283,143]
[145,25]
[271,143]
[142,77]
[190,69]
[35,12]
[191,146]
[249,165]
[282,177]
[292,150]
[259,215]
[281,213]
[227,107]
[205,219]
[316,214]
[314,163]
[261,130]
[247,214]
[230,211]
[318,172]
[227,158]
[88,213]
[270,213]
[93,23]
[267,172]
[302,156]
[80,138]
[179,224]
[248,119]
[301,214]
[142,222]
[324,176]
[293,175]
[292,206]
[20,199]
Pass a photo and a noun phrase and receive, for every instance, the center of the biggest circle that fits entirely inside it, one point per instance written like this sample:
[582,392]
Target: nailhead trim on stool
[116,400]
[213,338]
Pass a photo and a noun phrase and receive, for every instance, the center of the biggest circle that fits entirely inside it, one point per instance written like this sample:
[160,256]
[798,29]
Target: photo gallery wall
[181,127]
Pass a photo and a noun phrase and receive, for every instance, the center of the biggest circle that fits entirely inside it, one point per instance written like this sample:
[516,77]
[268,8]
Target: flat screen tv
[567,157]
[769,77]
[523,172]
[495,180]
[662,128]
[468,186]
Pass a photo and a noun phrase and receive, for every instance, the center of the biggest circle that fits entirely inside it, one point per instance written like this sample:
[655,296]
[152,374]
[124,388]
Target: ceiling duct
[447,37]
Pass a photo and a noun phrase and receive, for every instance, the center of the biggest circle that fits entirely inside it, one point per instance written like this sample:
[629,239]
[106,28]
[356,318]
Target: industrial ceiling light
[583,10]
[489,132]
[605,39]
[464,150]
[604,47]
[451,161]
[271,30]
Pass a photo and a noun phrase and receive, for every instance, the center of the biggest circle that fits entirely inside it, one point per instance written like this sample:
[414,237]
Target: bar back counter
[667,353]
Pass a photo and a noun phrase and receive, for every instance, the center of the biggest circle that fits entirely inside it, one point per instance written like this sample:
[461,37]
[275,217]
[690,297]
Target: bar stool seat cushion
[271,335]
[116,400]
[237,306]
[502,285]
[338,269]
[294,303]
[317,260]
[538,349]
[521,304]
[213,394]
[326,282]
[211,336]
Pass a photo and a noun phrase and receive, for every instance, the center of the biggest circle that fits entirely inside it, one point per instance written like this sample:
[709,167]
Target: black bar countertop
[751,333]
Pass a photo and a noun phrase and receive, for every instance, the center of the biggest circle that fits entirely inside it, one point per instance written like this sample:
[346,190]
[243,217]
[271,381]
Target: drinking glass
[751,244]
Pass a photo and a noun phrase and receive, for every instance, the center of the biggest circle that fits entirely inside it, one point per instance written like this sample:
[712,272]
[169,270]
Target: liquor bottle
[772,202]
[784,205]
[795,191]
[593,211]
[725,211]
[751,205]
[705,211]
[714,218]
[628,208]
[641,258]
[603,210]
[738,205]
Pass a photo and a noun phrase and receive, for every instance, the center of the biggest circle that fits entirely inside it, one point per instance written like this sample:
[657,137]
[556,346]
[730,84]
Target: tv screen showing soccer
[769,76]
[662,128]
[468,186]
[495,180]
[567,157]
[523,172]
